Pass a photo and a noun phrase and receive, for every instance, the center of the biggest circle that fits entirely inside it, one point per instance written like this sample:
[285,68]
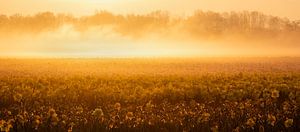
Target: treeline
[200,24]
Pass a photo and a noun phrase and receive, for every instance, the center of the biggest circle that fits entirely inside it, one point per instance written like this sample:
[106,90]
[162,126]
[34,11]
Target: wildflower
[98,112]
[64,117]
[117,106]
[261,128]
[232,114]
[129,116]
[37,117]
[150,122]
[242,106]
[266,94]
[70,129]
[149,105]
[288,123]
[193,103]
[53,117]
[79,110]
[206,116]
[85,121]
[36,123]
[271,119]
[111,126]
[8,112]
[163,121]
[17,97]
[71,125]
[5,126]
[63,122]
[215,128]
[237,129]
[275,94]
[139,120]
[292,96]
[250,122]
[51,112]
[2,123]
[20,119]
[8,127]
[247,104]
[262,104]
[54,120]
[285,106]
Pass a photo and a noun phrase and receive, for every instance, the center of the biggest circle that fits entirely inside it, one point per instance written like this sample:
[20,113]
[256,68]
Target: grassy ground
[177,94]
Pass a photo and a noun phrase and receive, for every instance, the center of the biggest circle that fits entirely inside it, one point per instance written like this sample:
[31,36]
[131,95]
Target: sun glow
[149,65]
[131,28]
[95,1]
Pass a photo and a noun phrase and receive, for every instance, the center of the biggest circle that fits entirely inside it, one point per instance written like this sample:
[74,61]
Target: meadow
[150,94]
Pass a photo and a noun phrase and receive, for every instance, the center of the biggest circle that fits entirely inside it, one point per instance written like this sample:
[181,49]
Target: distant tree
[199,25]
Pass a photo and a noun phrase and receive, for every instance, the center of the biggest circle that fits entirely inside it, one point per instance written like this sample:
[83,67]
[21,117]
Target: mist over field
[154,34]
[150,65]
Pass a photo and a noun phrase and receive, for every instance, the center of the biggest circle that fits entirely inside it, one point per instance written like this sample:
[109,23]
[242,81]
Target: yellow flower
[98,112]
[292,96]
[2,122]
[250,122]
[275,94]
[129,116]
[36,123]
[205,116]
[51,112]
[288,123]
[71,125]
[20,119]
[241,106]
[64,117]
[5,126]
[271,119]
[285,106]
[17,97]
[117,106]
[215,128]
[53,116]
[261,128]
[8,112]
[54,119]
[237,129]
[70,129]
[79,110]
[149,105]
[110,126]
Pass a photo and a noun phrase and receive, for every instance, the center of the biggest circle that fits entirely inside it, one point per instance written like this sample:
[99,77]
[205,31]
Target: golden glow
[81,28]
[283,8]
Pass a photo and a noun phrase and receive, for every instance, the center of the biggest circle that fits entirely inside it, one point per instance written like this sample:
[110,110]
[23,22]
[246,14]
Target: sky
[282,8]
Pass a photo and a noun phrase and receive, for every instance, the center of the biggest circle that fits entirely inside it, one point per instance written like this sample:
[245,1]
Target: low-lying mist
[148,35]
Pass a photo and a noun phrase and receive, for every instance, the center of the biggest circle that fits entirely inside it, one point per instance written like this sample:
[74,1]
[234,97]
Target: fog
[156,34]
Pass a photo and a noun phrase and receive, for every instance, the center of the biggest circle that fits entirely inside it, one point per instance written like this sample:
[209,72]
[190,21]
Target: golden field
[150,94]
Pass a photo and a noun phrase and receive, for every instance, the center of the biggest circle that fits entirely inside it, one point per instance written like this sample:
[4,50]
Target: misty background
[158,33]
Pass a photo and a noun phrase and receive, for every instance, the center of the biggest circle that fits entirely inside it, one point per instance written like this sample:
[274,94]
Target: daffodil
[98,112]
[288,123]
[117,106]
[271,119]
[250,122]
[275,94]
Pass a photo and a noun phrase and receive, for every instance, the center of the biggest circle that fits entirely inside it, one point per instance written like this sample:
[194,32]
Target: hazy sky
[283,8]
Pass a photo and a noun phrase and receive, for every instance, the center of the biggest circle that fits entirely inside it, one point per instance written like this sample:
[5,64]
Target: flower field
[204,94]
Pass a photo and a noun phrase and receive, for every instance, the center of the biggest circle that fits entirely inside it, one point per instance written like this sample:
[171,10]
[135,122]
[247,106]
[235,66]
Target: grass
[169,94]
